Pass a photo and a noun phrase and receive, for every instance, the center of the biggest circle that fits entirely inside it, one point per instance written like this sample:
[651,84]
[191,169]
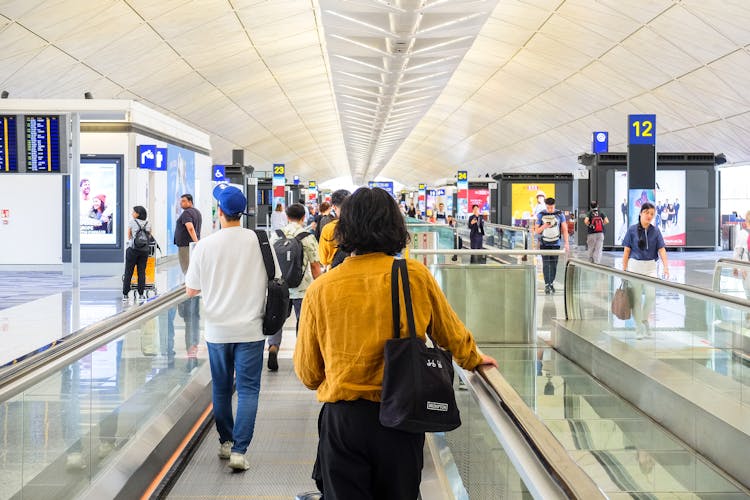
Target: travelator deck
[137,386]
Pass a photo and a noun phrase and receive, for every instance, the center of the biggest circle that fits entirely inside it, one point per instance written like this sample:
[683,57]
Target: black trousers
[475,240]
[549,264]
[359,458]
[134,260]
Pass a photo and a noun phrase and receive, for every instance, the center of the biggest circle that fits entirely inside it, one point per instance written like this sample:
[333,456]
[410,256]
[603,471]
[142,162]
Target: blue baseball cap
[231,200]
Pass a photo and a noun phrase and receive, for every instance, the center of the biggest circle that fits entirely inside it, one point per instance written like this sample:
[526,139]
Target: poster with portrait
[481,198]
[527,200]
[180,180]
[668,200]
[97,192]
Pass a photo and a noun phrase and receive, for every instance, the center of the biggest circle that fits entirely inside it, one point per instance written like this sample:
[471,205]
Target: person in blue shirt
[553,227]
[643,244]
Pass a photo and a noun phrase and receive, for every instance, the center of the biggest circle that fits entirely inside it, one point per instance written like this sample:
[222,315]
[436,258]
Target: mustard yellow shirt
[327,245]
[346,319]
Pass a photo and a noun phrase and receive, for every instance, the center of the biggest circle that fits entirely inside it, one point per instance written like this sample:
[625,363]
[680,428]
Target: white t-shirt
[227,267]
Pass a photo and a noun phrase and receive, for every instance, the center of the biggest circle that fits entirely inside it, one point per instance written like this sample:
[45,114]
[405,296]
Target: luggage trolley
[150,273]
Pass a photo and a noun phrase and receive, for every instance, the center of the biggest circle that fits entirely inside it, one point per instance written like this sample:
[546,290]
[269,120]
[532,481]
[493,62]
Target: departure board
[8,144]
[42,143]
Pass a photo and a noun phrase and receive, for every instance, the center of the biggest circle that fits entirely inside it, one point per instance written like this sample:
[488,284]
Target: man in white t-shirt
[227,270]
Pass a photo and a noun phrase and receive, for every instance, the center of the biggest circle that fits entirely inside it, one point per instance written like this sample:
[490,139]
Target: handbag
[621,302]
[417,393]
[278,305]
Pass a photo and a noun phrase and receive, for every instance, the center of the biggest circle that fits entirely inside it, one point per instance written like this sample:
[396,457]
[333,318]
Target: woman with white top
[643,244]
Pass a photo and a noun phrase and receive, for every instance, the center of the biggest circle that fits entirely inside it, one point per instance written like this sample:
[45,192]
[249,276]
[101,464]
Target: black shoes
[273,359]
[549,290]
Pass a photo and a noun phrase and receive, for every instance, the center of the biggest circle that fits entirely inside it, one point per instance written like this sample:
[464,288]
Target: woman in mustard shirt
[346,320]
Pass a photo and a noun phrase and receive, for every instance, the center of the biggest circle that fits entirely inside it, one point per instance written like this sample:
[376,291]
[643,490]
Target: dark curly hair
[370,222]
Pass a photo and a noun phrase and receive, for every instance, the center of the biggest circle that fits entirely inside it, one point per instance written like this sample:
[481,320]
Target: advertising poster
[445,196]
[668,198]
[527,200]
[97,191]
[480,197]
[180,180]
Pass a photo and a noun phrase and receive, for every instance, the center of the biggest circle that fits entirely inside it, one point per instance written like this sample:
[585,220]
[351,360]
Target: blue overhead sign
[642,129]
[601,142]
[161,159]
[147,156]
[296,180]
[219,173]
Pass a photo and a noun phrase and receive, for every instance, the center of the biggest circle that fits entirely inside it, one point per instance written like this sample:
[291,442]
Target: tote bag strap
[399,267]
[265,250]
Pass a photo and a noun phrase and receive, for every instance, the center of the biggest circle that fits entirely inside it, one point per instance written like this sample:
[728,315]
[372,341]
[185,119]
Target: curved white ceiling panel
[411,90]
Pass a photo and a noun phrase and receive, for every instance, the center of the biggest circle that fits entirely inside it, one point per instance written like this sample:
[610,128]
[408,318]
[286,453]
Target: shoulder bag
[621,303]
[418,394]
[278,306]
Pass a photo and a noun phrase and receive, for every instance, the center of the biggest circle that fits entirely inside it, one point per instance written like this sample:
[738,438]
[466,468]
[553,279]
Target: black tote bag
[417,393]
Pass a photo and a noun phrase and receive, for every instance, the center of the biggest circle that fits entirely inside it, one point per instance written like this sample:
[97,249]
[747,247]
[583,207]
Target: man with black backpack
[227,269]
[595,221]
[297,253]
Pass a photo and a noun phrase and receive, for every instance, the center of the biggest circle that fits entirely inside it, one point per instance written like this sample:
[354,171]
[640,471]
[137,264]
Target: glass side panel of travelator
[62,432]
[626,453]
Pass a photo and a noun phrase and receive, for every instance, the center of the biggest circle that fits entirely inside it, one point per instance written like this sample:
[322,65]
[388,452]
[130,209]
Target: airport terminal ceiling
[411,90]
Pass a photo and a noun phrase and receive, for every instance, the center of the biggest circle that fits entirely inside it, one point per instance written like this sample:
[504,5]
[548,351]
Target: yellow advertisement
[528,200]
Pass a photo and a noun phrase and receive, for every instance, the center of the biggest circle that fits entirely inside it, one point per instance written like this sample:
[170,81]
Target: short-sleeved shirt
[654,242]
[227,267]
[310,254]
[133,224]
[589,216]
[560,221]
[181,235]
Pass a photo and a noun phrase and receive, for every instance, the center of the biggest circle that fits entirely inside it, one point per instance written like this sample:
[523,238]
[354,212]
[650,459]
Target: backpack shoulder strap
[301,236]
[265,249]
[280,233]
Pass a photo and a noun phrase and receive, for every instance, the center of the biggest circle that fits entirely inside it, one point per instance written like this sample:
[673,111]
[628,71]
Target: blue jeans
[246,359]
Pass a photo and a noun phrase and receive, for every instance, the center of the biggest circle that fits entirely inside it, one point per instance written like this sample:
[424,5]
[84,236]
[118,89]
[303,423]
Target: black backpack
[278,306]
[290,253]
[141,239]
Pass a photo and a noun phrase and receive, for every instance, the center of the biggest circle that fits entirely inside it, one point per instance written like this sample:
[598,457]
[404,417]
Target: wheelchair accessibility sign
[219,173]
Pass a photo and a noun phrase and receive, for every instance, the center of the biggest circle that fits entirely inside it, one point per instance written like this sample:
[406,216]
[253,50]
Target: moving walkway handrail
[687,290]
[729,264]
[482,251]
[551,460]
[28,372]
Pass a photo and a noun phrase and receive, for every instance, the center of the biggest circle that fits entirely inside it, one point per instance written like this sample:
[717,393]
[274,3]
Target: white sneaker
[74,462]
[141,299]
[225,450]
[126,298]
[237,461]
[105,448]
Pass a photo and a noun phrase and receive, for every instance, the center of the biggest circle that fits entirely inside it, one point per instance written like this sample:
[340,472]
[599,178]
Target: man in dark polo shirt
[188,229]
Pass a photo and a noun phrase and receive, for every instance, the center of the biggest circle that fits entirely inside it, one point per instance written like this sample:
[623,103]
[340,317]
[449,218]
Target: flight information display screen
[42,143]
[8,144]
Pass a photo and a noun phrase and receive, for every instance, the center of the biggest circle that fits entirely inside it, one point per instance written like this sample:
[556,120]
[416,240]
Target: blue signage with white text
[642,129]
[160,163]
[147,156]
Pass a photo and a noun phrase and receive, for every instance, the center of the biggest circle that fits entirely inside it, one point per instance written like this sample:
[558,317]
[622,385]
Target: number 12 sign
[642,129]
